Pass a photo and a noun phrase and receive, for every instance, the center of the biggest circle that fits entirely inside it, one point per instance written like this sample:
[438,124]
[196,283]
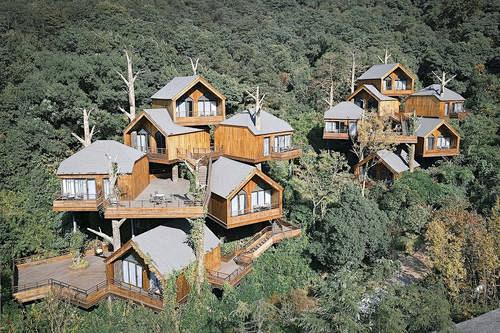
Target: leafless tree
[87,132]
[129,82]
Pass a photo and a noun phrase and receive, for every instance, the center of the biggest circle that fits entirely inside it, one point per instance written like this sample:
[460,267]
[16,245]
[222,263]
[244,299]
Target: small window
[446,109]
[238,204]
[267,144]
[388,83]
[360,102]
[430,143]
[353,128]
[206,107]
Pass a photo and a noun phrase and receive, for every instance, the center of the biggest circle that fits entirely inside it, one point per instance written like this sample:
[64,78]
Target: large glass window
[261,198]
[267,146]
[282,143]
[388,83]
[336,127]
[430,143]
[184,108]
[444,142]
[79,189]
[400,84]
[238,204]
[141,140]
[206,107]
[458,107]
[132,272]
[106,187]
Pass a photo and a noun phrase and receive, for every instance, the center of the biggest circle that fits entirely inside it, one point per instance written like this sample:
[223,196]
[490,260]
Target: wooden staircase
[86,299]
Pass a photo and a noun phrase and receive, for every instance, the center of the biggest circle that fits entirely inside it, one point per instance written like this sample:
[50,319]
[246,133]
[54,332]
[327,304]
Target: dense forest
[60,56]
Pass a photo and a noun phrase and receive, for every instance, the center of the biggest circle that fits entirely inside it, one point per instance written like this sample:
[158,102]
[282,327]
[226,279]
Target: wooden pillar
[175,173]
[75,227]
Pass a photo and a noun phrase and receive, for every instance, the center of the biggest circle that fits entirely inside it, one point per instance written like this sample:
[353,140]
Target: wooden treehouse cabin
[85,185]
[389,79]
[255,138]
[153,132]
[387,166]
[84,176]
[341,121]
[242,195]
[147,260]
[191,101]
[436,138]
[437,102]
[369,98]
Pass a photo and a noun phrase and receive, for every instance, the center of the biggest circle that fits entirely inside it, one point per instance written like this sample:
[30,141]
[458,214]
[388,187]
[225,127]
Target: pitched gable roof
[227,175]
[380,71]
[269,123]
[162,120]
[372,90]
[168,248]
[174,87]
[180,84]
[435,90]
[424,126]
[344,110]
[398,163]
[93,159]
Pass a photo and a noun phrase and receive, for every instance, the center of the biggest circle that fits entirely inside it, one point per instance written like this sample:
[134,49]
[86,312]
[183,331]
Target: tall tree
[87,132]
[129,83]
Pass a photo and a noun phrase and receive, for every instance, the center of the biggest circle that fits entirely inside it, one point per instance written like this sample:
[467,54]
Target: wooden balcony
[219,278]
[255,215]
[35,279]
[199,121]
[340,135]
[159,155]
[77,203]
[136,209]
[282,154]
[396,92]
[453,151]
[459,115]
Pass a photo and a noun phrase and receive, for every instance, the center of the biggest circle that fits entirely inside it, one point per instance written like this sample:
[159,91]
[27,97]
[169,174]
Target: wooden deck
[335,136]
[60,205]
[286,155]
[83,288]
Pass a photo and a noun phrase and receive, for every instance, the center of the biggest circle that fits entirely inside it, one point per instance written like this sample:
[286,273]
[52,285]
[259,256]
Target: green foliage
[353,230]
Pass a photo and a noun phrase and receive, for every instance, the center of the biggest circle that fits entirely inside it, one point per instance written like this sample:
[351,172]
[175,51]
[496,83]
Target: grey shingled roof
[377,71]
[162,118]
[397,163]
[269,123]
[174,86]
[425,125]
[485,323]
[435,89]
[344,110]
[227,175]
[93,160]
[378,94]
[168,248]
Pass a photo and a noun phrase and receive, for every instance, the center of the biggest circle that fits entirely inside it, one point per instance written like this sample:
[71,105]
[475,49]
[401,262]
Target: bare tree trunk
[129,82]
[87,132]
[411,157]
[353,72]
[116,224]
[258,107]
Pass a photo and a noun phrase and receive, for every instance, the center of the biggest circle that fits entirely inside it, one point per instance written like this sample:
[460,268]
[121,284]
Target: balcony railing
[78,196]
[232,278]
[165,203]
[196,153]
[252,210]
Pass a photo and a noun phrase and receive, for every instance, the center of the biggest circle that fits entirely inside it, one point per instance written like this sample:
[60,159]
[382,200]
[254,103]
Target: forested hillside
[57,57]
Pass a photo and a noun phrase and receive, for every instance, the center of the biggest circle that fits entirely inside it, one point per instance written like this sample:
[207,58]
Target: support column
[411,157]
[115,225]
[75,226]
[175,173]
[132,227]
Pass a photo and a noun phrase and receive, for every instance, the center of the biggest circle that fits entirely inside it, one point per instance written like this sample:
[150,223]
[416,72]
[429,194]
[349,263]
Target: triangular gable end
[362,87]
[143,114]
[259,173]
[202,80]
[403,68]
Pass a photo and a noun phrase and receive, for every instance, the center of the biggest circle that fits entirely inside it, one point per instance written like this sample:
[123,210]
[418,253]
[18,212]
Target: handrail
[233,276]
[79,196]
[175,203]
[255,210]
[157,151]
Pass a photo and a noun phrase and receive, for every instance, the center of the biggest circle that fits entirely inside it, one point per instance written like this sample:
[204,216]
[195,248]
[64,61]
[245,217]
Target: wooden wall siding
[213,259]
[164,104]
[131,185]
[377,83]
[424,106]
[265,215]
[186,142]
[241,144]
[335,136]
[218,207]
[182,287]
[387,108]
